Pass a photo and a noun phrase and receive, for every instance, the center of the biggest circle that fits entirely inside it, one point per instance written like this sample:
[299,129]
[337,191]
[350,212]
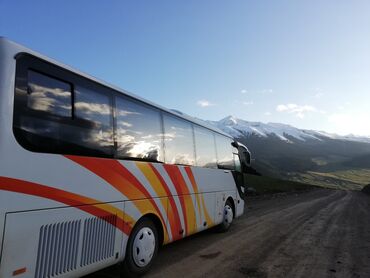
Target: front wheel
[228,216]
[142,248]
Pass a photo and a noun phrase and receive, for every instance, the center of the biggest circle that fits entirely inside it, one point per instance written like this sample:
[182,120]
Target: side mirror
[247,156]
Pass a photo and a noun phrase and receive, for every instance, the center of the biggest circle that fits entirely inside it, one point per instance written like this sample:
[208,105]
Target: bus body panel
[42,195]
[55,241]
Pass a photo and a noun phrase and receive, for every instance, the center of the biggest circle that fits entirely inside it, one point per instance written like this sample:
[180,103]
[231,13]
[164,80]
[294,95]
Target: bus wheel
[228,216]
[142,248]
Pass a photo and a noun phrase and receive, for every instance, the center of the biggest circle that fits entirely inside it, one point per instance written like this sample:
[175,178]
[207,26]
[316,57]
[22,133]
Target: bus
[91,175]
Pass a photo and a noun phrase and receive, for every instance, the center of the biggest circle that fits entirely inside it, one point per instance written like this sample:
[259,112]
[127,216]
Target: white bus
[91,175]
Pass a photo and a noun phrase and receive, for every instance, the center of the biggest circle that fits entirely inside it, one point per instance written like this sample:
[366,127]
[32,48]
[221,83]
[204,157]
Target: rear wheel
[142,248]
[228,216]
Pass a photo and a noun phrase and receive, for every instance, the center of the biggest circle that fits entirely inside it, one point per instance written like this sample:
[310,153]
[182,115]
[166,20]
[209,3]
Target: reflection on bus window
[205,148]
[48,95]
[178,141]
[93,128]
[224,153]
[138,131]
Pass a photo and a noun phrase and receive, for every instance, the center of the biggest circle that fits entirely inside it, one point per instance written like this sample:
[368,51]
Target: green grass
[360,176]
[351,179]
[266,185]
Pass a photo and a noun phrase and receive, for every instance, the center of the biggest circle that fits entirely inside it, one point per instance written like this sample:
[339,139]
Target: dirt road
[322,233]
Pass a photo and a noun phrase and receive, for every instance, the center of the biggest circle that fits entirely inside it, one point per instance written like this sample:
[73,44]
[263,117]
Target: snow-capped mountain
[241,128]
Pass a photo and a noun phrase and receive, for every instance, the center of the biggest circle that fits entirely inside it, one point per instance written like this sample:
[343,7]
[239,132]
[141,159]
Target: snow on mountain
[237,128]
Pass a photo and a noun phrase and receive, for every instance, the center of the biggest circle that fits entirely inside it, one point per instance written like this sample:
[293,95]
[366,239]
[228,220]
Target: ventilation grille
[58,247]
[98,239]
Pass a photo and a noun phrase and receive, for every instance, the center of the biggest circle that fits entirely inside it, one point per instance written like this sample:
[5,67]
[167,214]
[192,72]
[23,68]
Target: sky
[303,63]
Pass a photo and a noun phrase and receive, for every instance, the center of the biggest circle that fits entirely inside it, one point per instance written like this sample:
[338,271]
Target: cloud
[267,91]
[297,110]
[267,113]
[204,103]
[264,91]
[248,102]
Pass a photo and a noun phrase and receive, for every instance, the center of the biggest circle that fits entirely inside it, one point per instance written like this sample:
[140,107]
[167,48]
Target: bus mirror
[247,157]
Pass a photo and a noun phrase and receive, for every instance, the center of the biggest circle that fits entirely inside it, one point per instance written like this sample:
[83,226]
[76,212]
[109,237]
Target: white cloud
[297,110]
[346,123]
[267,113]
[204,103]
[267,91]
[248,102]
[244,91]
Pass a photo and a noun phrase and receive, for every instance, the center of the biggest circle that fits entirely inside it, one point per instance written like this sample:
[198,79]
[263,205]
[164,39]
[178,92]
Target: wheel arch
[231,199]
[157,223]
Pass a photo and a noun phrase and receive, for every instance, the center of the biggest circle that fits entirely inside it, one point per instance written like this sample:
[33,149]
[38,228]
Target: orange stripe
[195,187]
[83,203]
[175,221]
[170,172]
[122,179]
[186,202]
[159,190]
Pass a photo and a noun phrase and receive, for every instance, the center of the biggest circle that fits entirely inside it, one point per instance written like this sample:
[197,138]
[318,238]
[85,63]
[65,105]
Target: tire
[228,217]
[142,248]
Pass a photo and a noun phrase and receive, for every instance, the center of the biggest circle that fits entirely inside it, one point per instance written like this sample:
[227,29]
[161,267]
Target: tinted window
[224,152]
[42,111]
[178,141]
[49,95]
[205,148]
[138,130]
[92,130]
[45,120]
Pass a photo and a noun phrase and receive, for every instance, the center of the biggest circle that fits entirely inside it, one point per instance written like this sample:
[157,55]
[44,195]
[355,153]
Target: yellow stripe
[208,218]
[158,188]
[199,208]
[190,214]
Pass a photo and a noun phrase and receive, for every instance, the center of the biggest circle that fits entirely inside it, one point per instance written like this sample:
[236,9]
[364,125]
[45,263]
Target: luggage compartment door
[59,242]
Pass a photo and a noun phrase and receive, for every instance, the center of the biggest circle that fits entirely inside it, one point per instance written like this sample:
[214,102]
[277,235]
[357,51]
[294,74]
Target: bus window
[205,148]
[42,111]
[49,95]
[92,130]
[178,141]
[138,130]
[224,153]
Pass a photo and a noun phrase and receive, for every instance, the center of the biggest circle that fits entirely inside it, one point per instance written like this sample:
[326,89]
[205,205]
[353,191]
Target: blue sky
[304,63]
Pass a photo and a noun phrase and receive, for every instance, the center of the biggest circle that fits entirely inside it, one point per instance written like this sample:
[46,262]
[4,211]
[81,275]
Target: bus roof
[16,48]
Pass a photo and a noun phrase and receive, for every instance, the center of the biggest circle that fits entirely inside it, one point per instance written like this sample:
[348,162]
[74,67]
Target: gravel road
[321,233]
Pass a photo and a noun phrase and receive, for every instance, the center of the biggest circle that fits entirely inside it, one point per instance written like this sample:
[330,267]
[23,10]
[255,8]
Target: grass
[266,185]
[360,176]
[350,179]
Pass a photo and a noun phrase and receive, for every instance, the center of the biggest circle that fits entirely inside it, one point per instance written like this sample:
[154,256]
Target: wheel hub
[228,215]
[143,247]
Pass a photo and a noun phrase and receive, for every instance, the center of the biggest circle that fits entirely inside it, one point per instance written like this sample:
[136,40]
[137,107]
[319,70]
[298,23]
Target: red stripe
[78,201]
[177,225]
[116,174]
[181,188]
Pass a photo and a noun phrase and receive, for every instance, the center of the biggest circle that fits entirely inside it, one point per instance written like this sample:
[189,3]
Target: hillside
[316,157]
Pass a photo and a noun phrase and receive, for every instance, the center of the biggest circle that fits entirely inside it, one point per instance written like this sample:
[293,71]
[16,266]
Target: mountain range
[317,157]
[238,128]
